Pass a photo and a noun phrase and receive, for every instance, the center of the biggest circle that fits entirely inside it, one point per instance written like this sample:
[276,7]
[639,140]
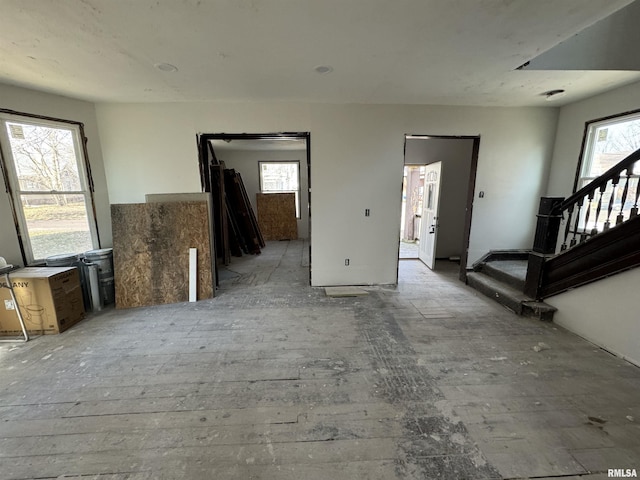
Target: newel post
[544,243]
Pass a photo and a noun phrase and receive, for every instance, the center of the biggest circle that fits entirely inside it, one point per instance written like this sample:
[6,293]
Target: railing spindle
[574,240]
[567,229]
[553,209]
[634,210]
[594,230]
[615,180]
[625,192]
[585,235]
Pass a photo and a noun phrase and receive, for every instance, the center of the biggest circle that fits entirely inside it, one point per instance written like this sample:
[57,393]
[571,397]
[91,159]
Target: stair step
[510,297]
[504,294]
[540,310]
[511,272]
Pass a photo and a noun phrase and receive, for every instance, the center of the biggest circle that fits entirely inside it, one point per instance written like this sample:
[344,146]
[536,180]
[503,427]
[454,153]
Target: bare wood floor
[274,380]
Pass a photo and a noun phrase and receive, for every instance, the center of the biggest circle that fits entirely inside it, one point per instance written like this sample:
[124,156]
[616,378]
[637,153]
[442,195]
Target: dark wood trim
[83,140]
[16,222]
[473,170]
[308,142]
[601,181]
[90,184]
[471,186]
[40,117]
[254,136]
[204,145]
[610,252]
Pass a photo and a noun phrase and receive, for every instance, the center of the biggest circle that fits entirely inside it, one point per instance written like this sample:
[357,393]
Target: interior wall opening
[411,212]
[437,199]
[272,168]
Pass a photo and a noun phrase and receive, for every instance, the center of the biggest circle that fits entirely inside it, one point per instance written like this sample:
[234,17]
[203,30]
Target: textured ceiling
[455,52]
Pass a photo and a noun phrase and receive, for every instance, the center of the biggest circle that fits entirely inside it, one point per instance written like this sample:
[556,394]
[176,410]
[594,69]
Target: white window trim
[11,176]
[589,145]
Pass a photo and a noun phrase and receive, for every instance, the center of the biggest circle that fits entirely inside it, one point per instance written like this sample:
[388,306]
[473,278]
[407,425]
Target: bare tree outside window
[609,142]
[50,189]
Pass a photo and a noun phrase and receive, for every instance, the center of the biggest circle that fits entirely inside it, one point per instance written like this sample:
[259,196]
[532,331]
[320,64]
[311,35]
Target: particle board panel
[151,252]
[277,215]
[131,255]
[191,197]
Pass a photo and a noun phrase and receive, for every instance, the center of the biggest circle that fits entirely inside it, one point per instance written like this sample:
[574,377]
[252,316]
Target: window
[281,177]
[607,143]
[46,171]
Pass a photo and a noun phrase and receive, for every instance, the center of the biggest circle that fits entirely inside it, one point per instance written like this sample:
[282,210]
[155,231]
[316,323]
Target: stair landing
[502,278]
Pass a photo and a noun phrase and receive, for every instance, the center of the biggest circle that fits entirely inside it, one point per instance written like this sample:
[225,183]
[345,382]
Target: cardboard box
[50,300]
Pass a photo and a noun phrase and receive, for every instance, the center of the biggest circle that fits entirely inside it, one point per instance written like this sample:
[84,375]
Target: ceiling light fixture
[323,69]
[554,94]
[166,67]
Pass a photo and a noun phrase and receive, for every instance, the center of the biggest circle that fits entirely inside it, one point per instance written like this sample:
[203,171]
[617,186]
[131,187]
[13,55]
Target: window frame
[586,149]
[298,192]
[12,182]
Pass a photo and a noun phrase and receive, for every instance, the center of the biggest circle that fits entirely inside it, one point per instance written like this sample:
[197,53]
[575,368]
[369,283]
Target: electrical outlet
[366,212]
[346,262]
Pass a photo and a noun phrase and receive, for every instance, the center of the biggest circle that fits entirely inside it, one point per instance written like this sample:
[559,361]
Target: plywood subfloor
[272,380]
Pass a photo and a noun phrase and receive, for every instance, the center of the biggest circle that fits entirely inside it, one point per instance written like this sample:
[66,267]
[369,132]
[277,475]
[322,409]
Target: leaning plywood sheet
[131,255]
[191,197]
[151,245]
[277,215]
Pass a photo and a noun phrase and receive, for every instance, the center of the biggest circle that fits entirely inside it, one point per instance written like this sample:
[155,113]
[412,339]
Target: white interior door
[429,223]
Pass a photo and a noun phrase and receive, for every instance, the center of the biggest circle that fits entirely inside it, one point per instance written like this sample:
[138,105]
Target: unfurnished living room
[304,239]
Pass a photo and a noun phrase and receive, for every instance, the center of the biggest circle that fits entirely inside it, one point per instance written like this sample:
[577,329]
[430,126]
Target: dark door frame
[471,186]
[206,155]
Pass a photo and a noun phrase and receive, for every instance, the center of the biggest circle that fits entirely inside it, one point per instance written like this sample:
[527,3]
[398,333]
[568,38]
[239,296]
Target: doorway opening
[437,198]
[411,213]
[268,165]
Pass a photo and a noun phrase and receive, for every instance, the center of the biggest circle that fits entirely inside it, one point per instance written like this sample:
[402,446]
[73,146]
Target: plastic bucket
[64,260]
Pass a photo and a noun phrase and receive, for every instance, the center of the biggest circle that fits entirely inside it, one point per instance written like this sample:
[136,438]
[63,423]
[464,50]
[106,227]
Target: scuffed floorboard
[272,379]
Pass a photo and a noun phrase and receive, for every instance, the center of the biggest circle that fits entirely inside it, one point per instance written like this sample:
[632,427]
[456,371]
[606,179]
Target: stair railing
[604,203]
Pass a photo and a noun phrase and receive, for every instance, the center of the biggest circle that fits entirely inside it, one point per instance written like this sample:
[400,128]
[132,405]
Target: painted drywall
[455,155]
[246,162]
[357,156]
[602,313]
[38,103]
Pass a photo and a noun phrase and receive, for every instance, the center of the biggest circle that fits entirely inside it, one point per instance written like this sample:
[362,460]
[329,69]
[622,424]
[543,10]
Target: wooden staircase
[593,234]
[501,275]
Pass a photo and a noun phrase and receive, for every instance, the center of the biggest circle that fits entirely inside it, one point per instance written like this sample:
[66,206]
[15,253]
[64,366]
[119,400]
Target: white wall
[601,312]
[246,162]
[455,155]
[571,126]
[356,163]
[38,103]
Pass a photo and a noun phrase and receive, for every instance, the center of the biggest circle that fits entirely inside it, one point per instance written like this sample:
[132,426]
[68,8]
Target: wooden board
[151,244]
[277,215]
[191,197]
